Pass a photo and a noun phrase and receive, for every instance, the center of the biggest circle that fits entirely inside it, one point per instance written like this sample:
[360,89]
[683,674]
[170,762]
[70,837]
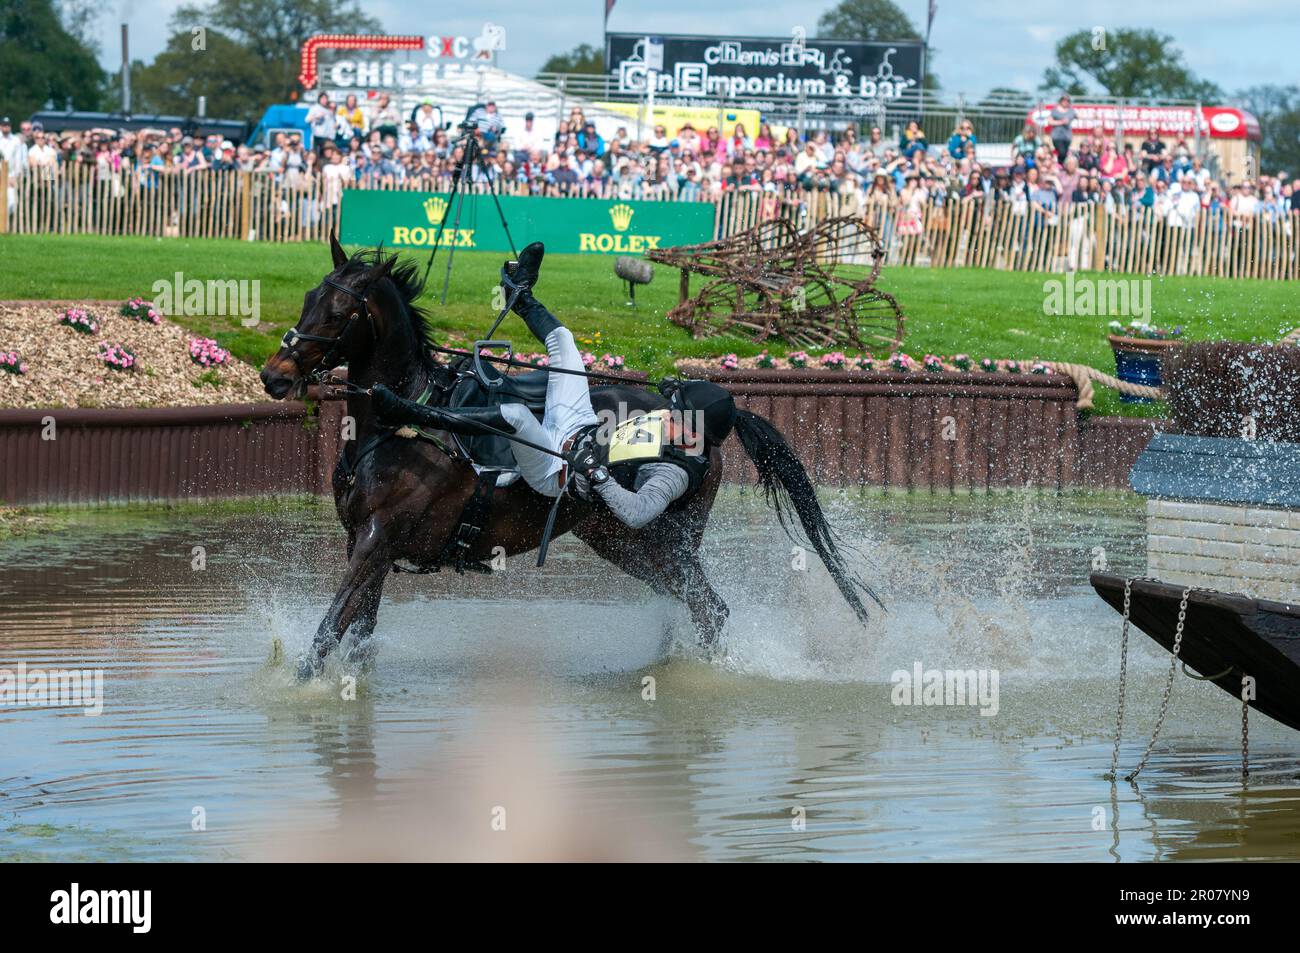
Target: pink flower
[730,362]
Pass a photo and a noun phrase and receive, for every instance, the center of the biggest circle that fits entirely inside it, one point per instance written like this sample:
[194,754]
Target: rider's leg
[540,470]
[568,399]
[568,405]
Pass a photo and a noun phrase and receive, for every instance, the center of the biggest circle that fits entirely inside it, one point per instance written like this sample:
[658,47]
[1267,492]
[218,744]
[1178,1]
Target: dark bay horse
[402,499]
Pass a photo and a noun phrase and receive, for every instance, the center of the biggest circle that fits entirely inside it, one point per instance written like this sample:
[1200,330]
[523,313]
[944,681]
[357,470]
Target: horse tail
[786,485]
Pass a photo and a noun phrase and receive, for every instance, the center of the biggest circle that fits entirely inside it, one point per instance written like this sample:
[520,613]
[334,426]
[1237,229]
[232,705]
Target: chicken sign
[478,50]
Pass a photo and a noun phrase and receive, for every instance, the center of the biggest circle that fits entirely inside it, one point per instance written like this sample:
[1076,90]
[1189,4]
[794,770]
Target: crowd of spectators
[374,145]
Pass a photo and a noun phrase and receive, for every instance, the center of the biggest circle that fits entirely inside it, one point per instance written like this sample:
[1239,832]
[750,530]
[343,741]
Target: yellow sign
[419,235]
[623,244]
[672,118]
[435,207]
[640,438]
[621,216]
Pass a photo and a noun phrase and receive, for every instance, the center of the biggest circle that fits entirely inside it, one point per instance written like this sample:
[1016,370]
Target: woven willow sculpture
[812,289]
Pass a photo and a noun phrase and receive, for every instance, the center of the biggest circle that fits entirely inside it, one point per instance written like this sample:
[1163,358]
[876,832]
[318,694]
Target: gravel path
[64,369]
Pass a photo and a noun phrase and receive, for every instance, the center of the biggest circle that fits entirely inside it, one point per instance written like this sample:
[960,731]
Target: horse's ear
[336,251]
[381,269]
[376,274]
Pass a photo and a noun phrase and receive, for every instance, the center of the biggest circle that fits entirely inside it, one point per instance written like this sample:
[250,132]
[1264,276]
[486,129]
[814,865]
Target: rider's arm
[664,482]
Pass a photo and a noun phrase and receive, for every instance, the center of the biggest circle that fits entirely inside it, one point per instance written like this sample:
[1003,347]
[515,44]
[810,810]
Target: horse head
[342,318]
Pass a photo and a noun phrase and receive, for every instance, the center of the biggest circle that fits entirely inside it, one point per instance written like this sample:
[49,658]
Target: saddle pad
[489,452]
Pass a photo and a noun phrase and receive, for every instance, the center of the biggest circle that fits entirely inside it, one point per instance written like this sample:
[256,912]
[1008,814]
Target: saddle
[487,386]
[480,384]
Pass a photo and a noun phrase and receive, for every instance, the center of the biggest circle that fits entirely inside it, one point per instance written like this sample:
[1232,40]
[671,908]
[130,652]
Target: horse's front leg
[358,645]
[361,586]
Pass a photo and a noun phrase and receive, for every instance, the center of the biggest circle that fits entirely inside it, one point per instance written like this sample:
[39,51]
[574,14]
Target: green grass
[982,313]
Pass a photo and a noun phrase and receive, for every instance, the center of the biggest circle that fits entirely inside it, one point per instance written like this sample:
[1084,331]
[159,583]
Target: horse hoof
[362,654]
[309,668]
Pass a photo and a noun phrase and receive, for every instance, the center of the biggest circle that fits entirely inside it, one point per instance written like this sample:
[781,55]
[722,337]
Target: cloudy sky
[1235,43]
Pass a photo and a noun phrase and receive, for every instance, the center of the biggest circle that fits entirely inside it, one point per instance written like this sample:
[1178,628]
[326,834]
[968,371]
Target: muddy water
[562,712]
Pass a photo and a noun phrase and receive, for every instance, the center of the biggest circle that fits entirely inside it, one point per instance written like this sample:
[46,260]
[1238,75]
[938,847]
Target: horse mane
[405,276]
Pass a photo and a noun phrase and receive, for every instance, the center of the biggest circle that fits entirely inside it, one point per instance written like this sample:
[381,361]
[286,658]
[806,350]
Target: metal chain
[1169,685]
[1123,678]
[1245,731]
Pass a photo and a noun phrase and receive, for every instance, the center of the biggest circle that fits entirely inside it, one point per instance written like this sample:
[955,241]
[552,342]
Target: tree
[80,18]
[40,60]
[226,72]
[877,21]
[583,58]
[1131,64]
[871,20]
[271,31]
[1278,110]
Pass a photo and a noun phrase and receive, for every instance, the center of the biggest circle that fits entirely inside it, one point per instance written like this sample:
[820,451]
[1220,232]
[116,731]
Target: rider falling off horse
[639,469]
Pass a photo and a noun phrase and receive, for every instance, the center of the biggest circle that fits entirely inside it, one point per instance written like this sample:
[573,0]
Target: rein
[594,375]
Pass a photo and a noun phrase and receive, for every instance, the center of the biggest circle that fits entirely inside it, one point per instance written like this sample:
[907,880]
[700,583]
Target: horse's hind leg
[708,610]
[669,564]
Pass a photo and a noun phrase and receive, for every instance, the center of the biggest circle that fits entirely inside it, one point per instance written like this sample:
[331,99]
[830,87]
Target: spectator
[528,140]
[1062,119]
[590,140]
[384,117]
[191,159]
[961,145]
[1111,164]
[13,149]
[323,122]
[912,142]
[489,122]
[1153,151]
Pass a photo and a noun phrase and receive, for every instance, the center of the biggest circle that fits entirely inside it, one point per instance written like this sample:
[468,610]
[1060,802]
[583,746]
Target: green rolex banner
[566,226]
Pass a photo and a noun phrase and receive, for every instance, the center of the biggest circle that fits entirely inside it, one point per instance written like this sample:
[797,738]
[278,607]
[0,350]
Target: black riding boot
[540,321]
[523,276]
[392,409]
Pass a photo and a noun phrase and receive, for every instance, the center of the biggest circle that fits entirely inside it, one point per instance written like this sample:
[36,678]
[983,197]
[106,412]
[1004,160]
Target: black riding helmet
[713,403]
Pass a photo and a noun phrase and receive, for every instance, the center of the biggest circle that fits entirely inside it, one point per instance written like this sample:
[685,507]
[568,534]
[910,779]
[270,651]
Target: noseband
[293,335]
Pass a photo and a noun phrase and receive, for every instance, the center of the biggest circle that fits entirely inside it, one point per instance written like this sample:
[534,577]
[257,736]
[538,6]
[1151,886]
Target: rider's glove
[384,401]
[584,460]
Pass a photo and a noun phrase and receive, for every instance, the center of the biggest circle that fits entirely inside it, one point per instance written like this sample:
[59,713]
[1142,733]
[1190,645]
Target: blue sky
[1235,43]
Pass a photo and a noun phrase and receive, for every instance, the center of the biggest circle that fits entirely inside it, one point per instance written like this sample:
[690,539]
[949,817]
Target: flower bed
[64,368]
[898,362]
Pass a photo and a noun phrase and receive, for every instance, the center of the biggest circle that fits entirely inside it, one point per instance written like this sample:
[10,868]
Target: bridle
[336,343]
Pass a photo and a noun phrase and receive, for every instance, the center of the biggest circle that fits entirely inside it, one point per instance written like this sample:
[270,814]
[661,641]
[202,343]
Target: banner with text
[566,226]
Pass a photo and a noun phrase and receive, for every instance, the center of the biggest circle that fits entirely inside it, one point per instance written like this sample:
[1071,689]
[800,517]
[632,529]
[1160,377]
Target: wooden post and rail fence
[931,433]
[86,199]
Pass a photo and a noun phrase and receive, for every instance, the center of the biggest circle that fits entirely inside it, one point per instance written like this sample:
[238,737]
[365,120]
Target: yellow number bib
[640,438]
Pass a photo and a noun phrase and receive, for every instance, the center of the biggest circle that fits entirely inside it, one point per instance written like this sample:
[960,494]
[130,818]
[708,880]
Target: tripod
[471,158]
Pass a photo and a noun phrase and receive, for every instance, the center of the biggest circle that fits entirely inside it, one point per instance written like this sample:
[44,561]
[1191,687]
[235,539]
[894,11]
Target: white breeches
[568,408]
